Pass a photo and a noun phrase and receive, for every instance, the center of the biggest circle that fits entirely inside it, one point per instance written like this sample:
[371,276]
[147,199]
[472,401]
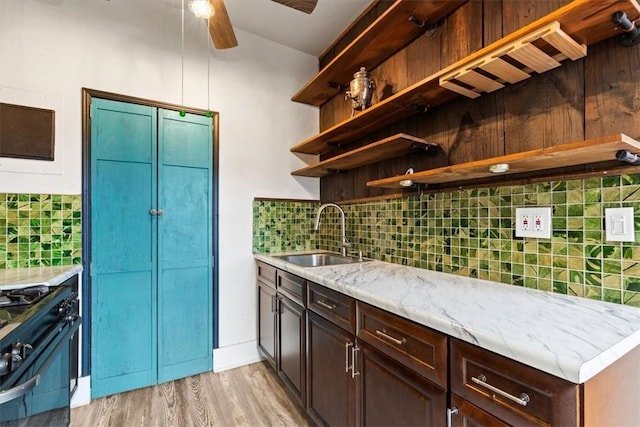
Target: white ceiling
[307,33]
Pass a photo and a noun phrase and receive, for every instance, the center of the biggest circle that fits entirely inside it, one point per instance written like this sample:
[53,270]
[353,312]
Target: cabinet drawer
[515,393]
[291,286]
[338,308]
[266,273]
[417,347]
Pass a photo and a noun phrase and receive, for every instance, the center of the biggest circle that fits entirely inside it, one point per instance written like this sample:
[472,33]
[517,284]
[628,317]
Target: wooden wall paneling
[477,127]
[343,186]
[334,111]
[612,98]
[423,55]
[518,13]
[327,113]
[360,177]
[390,76]
[327,185]
[354,32]
[547,109]
[463,33]
[492,22]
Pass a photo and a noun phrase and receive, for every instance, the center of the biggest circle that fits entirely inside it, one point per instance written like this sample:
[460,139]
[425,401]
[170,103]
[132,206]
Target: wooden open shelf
[387,148]
[385,36]
[573,154]
[585,21]
[515,62]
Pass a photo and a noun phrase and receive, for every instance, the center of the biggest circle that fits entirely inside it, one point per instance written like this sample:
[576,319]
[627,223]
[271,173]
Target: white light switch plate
[533,222]
[619,224]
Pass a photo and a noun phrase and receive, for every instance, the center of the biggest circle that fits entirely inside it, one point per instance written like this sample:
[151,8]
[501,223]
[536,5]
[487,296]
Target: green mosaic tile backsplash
[470,233]
[40,230]
[284,226]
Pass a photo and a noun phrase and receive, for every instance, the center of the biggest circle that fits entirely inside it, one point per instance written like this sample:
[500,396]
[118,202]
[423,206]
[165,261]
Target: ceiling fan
[220,27]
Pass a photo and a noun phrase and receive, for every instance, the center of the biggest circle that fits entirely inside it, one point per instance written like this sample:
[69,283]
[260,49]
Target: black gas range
[38,353]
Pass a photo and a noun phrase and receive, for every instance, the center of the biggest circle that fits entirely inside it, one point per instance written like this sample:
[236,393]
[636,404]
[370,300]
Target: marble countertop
[569,337]
[13,278]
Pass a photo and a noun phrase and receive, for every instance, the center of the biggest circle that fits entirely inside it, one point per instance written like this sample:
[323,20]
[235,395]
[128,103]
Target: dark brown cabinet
[392,395]
[282,325]
[332,397]
[332,390]
[465,414]
[291,324]
[513,392]
[267,305]
[352,383]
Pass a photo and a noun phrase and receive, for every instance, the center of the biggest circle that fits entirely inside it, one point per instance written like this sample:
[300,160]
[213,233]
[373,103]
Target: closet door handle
[160,212]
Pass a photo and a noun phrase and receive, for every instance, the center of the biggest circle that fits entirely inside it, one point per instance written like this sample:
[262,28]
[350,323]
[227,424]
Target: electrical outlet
[538,223]
[533,222]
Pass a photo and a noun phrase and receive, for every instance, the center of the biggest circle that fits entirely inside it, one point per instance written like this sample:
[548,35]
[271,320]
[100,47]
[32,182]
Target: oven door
[42,396]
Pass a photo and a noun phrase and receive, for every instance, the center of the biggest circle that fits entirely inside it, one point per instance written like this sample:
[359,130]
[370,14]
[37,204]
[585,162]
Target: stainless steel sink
[318,259]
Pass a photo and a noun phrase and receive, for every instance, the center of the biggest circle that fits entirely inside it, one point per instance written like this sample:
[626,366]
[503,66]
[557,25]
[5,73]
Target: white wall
[50,49]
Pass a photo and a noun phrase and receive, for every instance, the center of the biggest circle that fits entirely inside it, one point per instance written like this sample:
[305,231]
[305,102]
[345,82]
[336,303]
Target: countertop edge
[34,276]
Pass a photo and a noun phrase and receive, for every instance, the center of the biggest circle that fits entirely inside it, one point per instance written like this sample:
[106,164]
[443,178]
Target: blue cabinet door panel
[124,326]
[185,228]
[124,231]
[123,246]
[185,335]
[185,341]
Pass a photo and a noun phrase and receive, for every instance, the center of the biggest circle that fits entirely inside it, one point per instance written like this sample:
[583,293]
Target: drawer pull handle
[347,366]
[323,304]
[450,413]
[354,351]
[388,337]
[481,380]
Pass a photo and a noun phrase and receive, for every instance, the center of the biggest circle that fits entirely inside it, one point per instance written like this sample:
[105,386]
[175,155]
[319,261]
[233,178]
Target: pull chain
[208,114]
[182,112]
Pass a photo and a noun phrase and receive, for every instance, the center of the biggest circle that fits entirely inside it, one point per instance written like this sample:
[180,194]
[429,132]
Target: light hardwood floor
[248,396]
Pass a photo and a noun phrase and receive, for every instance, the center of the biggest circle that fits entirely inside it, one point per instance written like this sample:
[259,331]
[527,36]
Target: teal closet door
[123,246]
[185,324]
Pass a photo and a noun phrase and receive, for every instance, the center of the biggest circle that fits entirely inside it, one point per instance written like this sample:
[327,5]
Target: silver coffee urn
[360,90]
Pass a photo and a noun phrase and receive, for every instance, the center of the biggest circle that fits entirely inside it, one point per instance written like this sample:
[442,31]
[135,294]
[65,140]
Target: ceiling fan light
[201,8]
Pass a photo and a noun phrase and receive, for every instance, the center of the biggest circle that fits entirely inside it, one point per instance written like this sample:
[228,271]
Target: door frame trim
[87,96]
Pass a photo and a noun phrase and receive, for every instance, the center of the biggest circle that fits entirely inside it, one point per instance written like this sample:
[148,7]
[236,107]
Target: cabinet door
[185,288]
[331,399]
[467,415]
[267,321]
[291,345]
[391,395]
[123,247]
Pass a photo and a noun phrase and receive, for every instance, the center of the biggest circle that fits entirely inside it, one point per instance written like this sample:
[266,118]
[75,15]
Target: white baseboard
[235,355]
[82,395]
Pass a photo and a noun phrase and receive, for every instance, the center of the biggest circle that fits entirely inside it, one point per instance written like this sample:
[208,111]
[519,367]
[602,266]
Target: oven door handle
[24,388]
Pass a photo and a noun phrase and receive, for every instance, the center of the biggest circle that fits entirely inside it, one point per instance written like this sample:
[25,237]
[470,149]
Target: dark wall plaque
[26,132]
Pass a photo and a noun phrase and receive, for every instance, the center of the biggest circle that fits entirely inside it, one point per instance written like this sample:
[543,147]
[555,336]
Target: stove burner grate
[24,296]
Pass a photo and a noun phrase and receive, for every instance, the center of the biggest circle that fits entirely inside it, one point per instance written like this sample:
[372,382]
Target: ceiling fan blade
[220,27]
[305,6]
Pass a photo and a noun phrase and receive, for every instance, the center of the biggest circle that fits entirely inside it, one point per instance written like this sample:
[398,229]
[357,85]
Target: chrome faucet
[345,243]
